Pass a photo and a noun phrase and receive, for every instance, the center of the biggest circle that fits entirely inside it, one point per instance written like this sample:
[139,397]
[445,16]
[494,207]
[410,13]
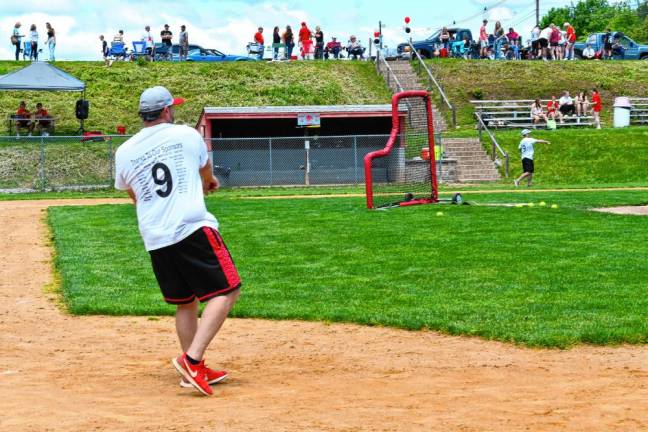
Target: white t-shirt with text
[526,147]
[161,165]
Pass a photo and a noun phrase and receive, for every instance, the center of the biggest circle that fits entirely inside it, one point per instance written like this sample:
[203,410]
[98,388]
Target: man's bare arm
[209,181]
[132,195]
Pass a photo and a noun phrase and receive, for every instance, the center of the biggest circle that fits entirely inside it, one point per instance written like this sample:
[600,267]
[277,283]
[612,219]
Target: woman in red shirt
[552,109]
[305,39]
[596,107]
[571,39]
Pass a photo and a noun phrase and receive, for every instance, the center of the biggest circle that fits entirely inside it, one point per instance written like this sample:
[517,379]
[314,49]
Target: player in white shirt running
[527,151]
[166,171]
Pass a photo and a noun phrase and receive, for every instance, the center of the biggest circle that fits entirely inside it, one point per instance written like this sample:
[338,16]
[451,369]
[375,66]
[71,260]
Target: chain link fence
[57,162]
[73,162]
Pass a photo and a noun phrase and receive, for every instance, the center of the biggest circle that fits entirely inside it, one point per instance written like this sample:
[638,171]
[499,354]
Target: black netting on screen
[404,174]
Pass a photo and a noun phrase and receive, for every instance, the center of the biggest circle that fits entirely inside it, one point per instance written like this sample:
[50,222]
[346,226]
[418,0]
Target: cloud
[499,14]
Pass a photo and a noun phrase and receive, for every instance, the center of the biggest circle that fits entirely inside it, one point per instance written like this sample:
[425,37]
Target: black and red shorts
[200,266]
[527,165]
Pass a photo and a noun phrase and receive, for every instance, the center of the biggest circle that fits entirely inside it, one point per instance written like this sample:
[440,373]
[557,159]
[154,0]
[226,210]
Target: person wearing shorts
[526,150]
[597,105]
[166,171]
[543,42]
[483,40]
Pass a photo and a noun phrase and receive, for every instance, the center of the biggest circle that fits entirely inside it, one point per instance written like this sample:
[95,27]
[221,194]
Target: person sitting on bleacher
[537,112]
[588,52]
[553,111]
[44,123]
[582,104]
[23,120]
[566,105]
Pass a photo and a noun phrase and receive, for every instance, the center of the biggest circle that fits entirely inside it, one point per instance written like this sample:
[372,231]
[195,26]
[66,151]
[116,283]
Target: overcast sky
[228,25]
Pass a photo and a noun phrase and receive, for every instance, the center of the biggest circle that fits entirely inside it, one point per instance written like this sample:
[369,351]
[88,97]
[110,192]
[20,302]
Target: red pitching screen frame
[396,129]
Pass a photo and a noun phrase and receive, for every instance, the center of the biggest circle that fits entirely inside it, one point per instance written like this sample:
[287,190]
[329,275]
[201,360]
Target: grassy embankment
[465,80]
[537,276]
[114,92]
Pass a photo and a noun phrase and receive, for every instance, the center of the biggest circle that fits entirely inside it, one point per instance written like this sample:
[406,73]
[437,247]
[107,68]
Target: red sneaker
[193,374]
[211,376]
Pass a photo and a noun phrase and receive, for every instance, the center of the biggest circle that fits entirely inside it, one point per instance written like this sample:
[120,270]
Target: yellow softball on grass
[531,205]
[554,206]
[439,213]
[542,203]
[519,205]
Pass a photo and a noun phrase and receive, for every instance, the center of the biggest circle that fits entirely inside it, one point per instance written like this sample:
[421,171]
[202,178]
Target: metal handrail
[496,146]
[390,72]
[432,81]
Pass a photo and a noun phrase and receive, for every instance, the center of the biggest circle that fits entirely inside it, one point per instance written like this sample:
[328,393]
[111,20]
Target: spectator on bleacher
[319,43]
[483,40]
[571,40]
[607,45]
[543,42]
[553,111]
[119,37]
[306,42]
[537,112]
[258,39]
[582,104]
[588,52]
[44,124]
[51,41]
[535,46]
[445,38]
[596,107]
[167,36]
[467,45]
[276,43]
[183,41]
[554,42]
[33,42]
[333,48]
[289,40]
[23,119]
[354,48]
[566,105]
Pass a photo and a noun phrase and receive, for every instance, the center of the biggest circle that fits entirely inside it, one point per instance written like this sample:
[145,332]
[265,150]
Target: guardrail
[496,147]
[380,60]
[434,83]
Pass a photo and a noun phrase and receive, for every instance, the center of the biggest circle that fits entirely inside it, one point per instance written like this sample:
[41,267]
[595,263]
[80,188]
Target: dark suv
[427,47]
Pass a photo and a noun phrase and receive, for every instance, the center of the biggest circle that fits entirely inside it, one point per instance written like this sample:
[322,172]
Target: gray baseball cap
[156,99]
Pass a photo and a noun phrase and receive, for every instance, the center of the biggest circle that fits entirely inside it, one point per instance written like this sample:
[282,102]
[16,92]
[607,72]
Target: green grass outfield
[536,276]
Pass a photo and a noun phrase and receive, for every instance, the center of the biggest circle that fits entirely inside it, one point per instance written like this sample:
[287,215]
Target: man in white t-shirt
[147,38]
[166,171]
[526,150]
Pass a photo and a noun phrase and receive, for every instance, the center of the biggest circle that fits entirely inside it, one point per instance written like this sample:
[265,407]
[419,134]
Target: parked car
[212,55]
[426,47]
[631,49]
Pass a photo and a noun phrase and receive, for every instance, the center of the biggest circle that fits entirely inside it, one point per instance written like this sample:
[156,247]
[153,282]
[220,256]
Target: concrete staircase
[409,80]
[473,163]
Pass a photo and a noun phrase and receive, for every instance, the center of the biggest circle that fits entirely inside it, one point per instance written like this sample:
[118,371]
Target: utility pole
[537,12]
[380,31]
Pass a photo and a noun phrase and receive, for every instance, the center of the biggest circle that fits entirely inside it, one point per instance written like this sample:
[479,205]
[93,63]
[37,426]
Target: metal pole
[537,12]
[110,160]
[42,164]
[380,34]
[270,157]
[355,158]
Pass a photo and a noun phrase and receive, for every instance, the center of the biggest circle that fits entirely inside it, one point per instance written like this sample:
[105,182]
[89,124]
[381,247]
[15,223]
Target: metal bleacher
[517,114]
[639,111]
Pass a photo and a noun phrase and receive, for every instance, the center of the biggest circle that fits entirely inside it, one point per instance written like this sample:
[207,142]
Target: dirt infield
[625,210]
[64,373]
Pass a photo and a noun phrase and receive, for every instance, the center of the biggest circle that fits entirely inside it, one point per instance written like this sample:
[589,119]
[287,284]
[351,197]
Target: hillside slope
[464,80]
[114,92]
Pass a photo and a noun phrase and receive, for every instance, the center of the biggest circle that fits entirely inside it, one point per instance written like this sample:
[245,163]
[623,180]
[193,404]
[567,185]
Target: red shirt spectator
[555,35]
[483,34]
[22,112]
[596,102]
[304,33]
[42,113]
[552,106]
[571,34]
[258,37]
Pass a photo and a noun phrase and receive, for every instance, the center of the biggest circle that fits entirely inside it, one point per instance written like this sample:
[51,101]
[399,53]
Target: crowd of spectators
[29,47]
[311,45]
[568,106]
[38,120]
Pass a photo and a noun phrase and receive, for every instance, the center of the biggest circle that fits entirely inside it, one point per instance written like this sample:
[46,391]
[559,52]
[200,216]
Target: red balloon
[376,34]
[407,20]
